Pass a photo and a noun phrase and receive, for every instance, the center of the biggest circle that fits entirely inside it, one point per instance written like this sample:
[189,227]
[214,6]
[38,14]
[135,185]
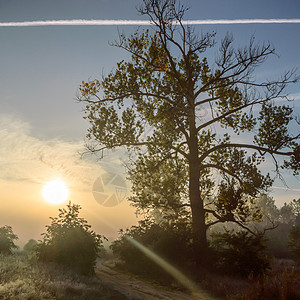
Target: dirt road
[134,288]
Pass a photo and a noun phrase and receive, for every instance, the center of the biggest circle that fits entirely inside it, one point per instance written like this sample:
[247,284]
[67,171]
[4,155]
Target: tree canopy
[7,238]
[194,111]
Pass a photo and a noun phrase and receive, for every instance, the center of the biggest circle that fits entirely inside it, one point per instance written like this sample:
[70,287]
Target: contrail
[285,188]
[81,22]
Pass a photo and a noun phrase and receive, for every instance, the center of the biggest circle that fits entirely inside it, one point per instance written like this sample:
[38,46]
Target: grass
[281,283]
[21,277]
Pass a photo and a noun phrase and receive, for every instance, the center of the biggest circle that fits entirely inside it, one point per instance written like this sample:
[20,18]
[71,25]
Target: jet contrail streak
[80,22]
[285,188]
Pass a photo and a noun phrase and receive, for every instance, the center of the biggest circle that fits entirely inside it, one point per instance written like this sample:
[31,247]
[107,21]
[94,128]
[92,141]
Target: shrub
[69,241]
[240,253]
[294,243]
[171,241]
[7,238]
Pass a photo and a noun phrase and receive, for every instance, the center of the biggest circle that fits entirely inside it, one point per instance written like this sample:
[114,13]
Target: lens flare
[179,276]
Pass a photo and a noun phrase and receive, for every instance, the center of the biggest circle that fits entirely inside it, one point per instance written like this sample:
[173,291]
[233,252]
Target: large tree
[196,108]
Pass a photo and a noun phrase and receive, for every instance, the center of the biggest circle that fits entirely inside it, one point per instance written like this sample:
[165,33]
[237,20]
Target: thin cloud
[82,22]
[24,157]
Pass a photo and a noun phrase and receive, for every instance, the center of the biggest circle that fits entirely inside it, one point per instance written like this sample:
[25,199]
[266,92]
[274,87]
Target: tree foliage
[7,238]
[69,241]
[193,110]
[296,210]
[294,236]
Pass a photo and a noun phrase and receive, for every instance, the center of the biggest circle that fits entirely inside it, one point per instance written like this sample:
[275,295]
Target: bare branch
[245,227]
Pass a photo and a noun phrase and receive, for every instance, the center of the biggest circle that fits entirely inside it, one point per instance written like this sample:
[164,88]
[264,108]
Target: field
[21,277]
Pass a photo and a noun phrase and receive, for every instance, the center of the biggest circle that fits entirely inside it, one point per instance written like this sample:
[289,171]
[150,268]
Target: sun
[55,192]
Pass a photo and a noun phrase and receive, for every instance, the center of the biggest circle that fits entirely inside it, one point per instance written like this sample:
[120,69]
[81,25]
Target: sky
[41,126]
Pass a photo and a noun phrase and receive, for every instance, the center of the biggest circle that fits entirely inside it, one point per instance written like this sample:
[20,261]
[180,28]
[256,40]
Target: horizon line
[84,22]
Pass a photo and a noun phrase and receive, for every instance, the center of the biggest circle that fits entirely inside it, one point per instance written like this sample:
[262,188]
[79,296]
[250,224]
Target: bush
[70,242]
[171,241]
[240,253]
[7,238]
[294,243]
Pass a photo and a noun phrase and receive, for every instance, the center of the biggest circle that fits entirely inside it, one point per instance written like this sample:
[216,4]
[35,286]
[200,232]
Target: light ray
[179,276]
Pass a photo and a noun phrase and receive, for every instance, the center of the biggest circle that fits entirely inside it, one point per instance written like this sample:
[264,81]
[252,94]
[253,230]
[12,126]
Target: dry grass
[282,283]
[23,278]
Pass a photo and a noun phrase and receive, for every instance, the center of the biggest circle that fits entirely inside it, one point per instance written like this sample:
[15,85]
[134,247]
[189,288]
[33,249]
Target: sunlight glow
[55,192]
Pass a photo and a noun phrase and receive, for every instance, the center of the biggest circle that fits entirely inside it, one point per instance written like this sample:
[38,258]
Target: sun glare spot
[55,192]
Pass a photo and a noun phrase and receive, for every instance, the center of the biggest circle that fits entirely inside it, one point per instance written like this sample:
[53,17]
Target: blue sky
[41,69]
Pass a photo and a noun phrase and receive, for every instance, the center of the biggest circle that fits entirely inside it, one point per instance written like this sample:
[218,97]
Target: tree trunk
[198,214]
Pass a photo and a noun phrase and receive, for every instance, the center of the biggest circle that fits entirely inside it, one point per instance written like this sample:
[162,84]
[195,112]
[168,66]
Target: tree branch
[222,169]
[223,116]
[245,227]
[236,145]
[212,223]
[213,212]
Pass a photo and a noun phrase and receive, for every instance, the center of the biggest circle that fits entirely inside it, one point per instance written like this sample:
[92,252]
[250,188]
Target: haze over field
[41,126]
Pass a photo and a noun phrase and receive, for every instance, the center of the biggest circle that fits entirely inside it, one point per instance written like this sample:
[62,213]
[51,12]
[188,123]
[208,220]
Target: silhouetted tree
[294,243]
[282,220]
[69,241]
[30,245]
[268,208]
[286,214]
[7,238]
[193,107]
[296,210]
[294,236]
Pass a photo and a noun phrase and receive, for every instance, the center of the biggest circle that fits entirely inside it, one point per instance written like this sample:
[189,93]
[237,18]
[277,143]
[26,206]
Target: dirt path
[134,288]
